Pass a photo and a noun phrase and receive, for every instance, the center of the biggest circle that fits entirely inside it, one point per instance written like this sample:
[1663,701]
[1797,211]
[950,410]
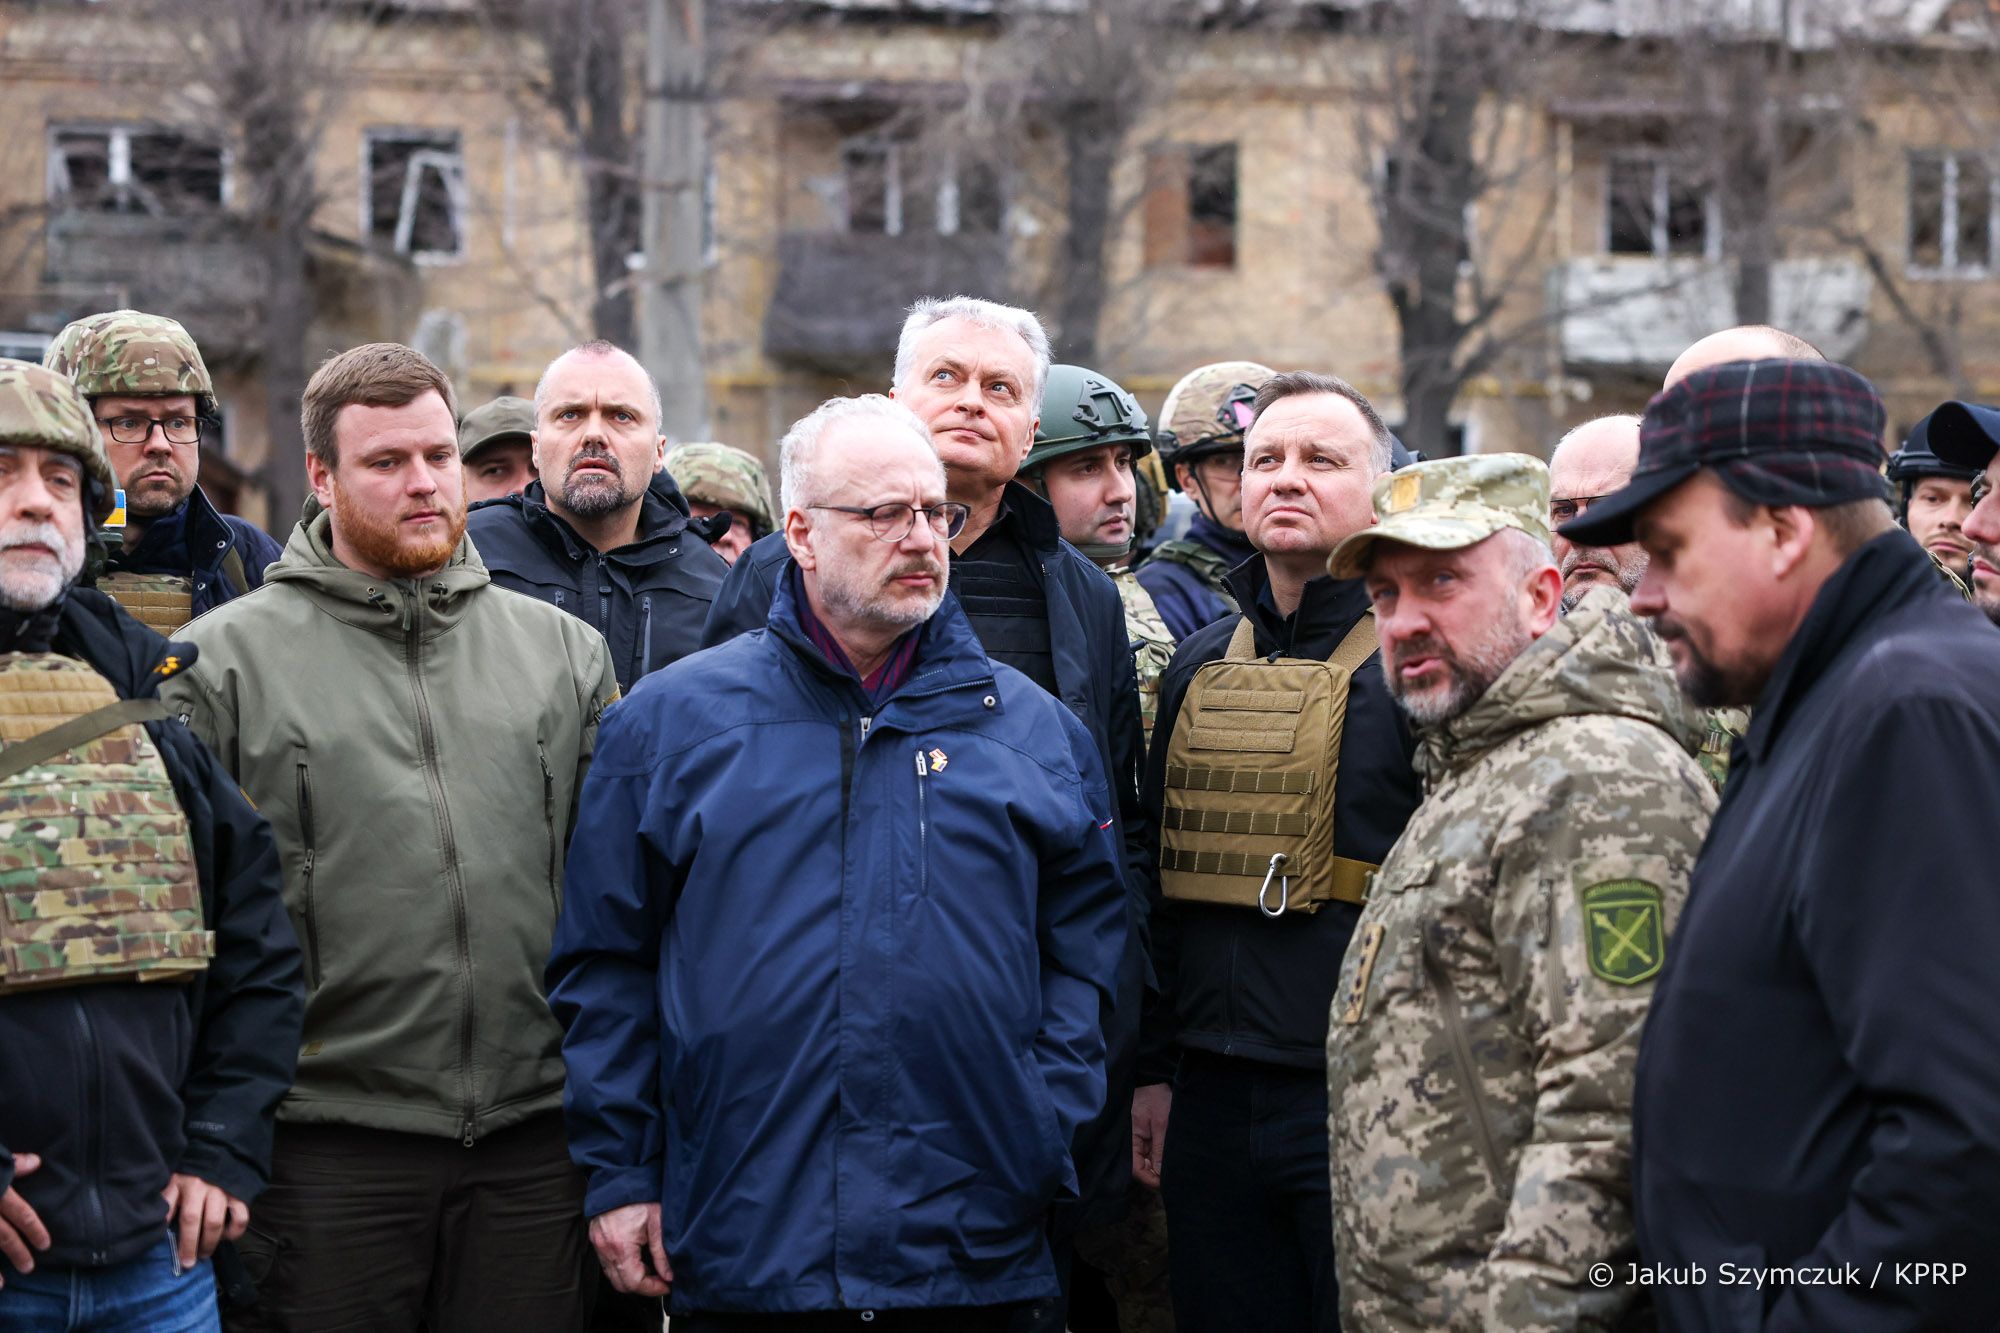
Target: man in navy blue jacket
[843,920]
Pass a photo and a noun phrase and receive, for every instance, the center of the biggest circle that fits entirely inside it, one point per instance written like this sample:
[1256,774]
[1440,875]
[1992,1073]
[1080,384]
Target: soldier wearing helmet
[154,402]
[716,480]
[1201,444]
[1934,498]
[129,857]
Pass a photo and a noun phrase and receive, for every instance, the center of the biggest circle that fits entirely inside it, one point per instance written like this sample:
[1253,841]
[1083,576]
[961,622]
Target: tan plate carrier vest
[164,603]
[1250,780]
[97,875]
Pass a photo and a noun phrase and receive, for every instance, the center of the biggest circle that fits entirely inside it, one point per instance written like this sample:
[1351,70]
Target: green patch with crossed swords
[1624,932]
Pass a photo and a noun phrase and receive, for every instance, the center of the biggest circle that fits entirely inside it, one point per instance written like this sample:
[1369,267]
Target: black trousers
[366,1231]
[1249,1207]
[954,1319]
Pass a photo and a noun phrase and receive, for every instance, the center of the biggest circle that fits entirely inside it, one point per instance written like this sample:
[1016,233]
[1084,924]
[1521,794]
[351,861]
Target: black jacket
[1232,981]
[648,599]
[195,541]
[1096,679]
[120,1084]
[1819,1078]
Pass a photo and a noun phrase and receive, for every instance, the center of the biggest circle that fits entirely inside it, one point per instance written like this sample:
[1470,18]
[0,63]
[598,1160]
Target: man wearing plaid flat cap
[1819,1080]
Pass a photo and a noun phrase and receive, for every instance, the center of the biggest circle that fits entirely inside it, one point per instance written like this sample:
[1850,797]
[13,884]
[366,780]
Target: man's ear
[798,539]
[535,450]
[1541,595]
[660,454]
[1791,528]
[321,477]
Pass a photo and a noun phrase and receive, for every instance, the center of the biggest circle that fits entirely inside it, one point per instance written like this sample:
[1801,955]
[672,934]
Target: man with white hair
[844,908]
[604,534]
[972,371]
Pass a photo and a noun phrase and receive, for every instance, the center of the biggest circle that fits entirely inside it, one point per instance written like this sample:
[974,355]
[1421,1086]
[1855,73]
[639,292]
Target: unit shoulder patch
[1624,930]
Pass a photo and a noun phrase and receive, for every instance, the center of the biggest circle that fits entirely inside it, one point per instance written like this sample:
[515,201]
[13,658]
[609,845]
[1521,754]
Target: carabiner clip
[1284,887]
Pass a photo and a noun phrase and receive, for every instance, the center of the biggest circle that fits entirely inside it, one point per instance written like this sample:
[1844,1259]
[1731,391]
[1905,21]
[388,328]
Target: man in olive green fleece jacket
[416,736]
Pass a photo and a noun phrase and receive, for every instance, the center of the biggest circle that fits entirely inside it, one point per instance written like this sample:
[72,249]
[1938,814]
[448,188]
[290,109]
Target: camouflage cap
[501,419]
[1450,503]
[1209,409]
[39,407]
[726,478]
[128,351]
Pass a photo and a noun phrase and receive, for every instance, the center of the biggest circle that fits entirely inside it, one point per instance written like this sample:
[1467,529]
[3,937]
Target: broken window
[1653,208]
[1189,209]
[901,187]
[1951,213]
[414,194]
[133,169]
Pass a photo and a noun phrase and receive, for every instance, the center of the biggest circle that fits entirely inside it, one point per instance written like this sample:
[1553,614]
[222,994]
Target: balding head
[1745,342]
[599,350]
[1589,463]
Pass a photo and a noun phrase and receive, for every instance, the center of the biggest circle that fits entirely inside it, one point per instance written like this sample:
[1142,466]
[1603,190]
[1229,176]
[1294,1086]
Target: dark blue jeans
[1249,1209]
[142,1295]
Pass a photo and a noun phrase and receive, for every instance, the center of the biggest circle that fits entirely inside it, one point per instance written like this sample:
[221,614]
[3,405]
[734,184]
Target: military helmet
[39,407]
[1208,411]
[1082,409]
[1916,460]
[131,352]
[726,478]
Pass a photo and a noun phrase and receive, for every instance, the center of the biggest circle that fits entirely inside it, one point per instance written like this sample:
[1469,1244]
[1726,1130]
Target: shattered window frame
[420,150]
[1191,211]
[1936,226]
[130,186]
[1668,193]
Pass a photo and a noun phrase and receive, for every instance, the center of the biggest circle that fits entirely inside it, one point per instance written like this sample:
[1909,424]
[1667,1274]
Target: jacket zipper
[454,881]
[549,815]
[923,828]
[645,636]
[603,600]
[311,855]
[93,1120]
[1461,1058]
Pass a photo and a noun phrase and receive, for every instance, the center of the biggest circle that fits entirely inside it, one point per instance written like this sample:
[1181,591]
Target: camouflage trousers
[1132,1257]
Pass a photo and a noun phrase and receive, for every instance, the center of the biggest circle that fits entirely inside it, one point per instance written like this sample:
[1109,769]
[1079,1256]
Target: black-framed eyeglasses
[893,522]
[1562,511]
[135,429]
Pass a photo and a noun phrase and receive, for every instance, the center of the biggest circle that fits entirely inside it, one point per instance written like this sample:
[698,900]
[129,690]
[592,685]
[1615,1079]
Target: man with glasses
[844,912]
[154,402]
[1589,463]
[1201,442]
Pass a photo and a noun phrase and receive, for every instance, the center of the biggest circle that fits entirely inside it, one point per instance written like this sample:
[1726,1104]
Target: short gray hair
[1526,553]
[798,452]
[1295,383]
[599,347]
[987,314]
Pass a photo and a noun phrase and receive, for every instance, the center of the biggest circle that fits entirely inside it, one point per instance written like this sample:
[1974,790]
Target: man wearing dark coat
[1816,1138]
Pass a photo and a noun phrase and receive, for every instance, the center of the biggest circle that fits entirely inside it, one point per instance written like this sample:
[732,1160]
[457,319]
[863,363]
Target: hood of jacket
[382,606]
[1599,660]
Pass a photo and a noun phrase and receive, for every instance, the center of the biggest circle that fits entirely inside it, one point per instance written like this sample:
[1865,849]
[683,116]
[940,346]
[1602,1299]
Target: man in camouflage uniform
[135,1118]
[717,479]
[154,401]
[1201,442]
[1483,1035]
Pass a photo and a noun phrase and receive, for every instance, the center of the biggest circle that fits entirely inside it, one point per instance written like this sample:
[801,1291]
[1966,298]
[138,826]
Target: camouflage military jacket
[1485,1029]
[1152,645]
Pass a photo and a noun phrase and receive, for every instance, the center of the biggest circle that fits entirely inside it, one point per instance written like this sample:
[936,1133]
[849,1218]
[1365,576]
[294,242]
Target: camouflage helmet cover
[41,408]
[1207,412]
[1447,504]
[726,478]
[1082,409]
[131,352]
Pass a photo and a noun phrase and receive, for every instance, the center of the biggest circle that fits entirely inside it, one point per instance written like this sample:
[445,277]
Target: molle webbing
[97,876]
[1250,779]
[163,603]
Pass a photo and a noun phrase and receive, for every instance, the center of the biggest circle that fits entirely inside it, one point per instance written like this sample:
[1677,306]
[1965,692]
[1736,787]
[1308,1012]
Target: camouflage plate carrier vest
[164,603]
[97,876]
[1250,780]
[1208,564]
[1152,644]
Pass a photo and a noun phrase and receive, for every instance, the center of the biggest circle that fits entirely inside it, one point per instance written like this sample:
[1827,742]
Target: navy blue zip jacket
[1185,599]
[833,983]
[118,1085]
[648,599]
[1819,1079]
[1095,677]
[194,541]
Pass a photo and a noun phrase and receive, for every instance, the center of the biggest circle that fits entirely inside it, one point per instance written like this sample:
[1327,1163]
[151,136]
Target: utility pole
[675,162]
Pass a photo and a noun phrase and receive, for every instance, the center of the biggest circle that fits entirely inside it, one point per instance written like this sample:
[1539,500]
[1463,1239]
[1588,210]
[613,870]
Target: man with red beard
[420,1173]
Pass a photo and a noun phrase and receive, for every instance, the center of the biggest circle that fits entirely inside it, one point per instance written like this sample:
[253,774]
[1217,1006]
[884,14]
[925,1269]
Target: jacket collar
[949,660]
[390,607]
[1885,574]
[1226,542]
[663,519]
[191,536]
[1036,519]
[1327,604]
[135,660]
